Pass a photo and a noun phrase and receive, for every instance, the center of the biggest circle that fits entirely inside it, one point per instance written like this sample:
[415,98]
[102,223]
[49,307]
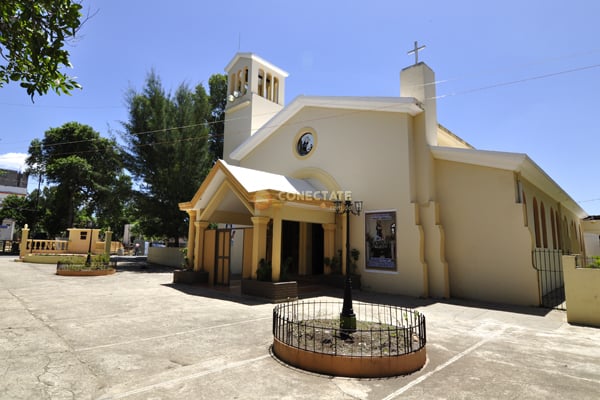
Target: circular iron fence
[382,330]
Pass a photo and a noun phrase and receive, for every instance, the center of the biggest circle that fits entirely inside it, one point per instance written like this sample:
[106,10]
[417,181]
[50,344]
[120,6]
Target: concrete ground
[134,335]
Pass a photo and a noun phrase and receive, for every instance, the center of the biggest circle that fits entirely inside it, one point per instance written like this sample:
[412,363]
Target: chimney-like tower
[255,93]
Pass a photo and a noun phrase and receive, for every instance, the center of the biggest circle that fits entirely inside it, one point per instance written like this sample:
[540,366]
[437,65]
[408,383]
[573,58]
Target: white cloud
[13,161]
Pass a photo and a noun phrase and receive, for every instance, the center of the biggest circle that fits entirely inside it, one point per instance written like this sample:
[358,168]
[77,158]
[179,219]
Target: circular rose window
[305,144]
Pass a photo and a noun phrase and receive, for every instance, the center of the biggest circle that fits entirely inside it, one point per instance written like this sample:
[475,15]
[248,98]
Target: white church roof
[254,180]
[258,59]
[250,181]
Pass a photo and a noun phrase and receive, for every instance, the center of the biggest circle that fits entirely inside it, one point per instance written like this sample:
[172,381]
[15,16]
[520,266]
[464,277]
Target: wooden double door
[217,255]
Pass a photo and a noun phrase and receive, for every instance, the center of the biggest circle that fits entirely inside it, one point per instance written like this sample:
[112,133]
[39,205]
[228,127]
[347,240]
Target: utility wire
[336,115]
[482,88]
[533,78]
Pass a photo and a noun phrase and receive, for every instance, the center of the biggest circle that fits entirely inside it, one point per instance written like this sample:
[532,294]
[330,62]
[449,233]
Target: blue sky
[517,76]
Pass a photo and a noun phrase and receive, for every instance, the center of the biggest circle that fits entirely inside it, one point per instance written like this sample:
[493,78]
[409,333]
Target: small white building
[12,183]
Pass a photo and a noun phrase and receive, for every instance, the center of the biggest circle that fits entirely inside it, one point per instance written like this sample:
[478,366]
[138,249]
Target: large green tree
[19,208]
[86,171]
[168,150]
[41,214]
[46,221]
[112,204]
[217,84]
[37,209]
[33,34]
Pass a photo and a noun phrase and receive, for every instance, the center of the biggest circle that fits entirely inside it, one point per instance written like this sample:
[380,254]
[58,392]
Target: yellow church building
[439,217]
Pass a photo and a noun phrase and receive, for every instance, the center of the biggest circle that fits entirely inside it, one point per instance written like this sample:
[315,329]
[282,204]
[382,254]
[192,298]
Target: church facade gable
[370,154]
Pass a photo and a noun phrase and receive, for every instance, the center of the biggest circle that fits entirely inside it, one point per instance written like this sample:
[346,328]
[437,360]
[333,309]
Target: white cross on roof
[416,50]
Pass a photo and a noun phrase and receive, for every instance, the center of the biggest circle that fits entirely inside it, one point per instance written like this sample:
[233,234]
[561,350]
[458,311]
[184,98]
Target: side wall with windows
[552,226]
[488,245]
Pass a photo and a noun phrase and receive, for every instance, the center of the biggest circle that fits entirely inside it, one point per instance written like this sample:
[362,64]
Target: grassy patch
[98,262]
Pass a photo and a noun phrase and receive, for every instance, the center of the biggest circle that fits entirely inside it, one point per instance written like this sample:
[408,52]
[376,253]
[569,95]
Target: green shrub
[594,262]
[263,273]
[285,268]
[335,263]
[101,259]
[186,263]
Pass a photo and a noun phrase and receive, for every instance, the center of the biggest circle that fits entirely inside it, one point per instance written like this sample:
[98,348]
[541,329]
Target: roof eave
[258,59]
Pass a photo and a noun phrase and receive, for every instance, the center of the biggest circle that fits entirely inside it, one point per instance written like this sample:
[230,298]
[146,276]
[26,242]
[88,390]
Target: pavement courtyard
[135,335]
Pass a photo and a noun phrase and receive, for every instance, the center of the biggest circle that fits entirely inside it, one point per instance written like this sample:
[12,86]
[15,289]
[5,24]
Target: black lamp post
[347,316]
[88,260]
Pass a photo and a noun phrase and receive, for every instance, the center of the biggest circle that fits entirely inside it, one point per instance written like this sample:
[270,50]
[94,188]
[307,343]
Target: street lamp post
[347,316]
[88,260]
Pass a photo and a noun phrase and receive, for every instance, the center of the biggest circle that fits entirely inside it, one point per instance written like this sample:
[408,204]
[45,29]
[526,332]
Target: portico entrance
[280,226]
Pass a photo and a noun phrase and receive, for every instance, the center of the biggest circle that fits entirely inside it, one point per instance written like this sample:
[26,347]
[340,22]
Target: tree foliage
[38,209]
[18,208]
[45,217]
[168,144]
[218,100]
[33,34]
[86,173]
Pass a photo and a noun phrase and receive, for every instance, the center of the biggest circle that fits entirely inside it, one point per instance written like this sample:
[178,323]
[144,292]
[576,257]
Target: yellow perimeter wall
[581,288]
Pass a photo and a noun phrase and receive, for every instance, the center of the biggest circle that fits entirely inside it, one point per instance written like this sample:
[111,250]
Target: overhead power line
[508,83]
[382,108]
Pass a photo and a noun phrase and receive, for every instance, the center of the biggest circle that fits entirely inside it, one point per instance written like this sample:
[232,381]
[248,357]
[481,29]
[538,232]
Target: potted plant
[334,264]
[335,276]
[186,273]
[264,270]
[263,286]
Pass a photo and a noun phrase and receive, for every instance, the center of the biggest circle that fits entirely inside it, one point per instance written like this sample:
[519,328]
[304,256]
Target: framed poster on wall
[380,227]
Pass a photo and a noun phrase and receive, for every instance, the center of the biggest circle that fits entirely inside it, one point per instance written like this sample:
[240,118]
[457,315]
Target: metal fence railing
[587,262]
[9,247]
[551,283]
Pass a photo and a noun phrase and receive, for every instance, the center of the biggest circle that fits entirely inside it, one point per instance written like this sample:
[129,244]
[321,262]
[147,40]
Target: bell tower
[255,93]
